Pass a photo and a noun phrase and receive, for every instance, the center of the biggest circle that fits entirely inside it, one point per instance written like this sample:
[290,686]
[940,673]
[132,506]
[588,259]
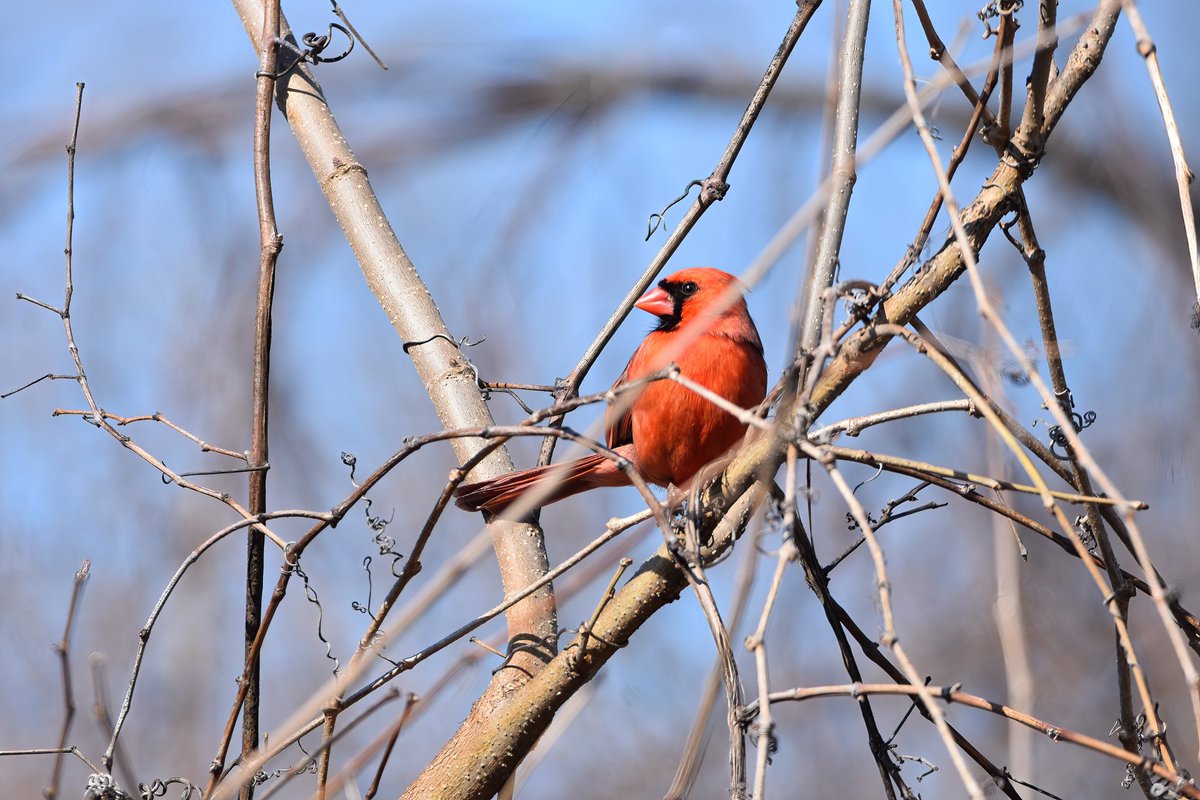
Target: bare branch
[951,694]
[270,243]
[63,648]
[1183,173]
[842,174]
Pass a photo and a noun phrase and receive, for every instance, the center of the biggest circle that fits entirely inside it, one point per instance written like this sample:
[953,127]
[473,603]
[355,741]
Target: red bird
[668,432]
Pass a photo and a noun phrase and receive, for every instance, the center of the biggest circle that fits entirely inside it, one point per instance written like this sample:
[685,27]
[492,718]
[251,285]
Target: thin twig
[890,637]
[586,630]
[63,649]
[713,189]
[49,376]
[48,307]
[692,756]
[978,114]
[354,32]
[1106,20]
[53,751]
[302,719]
[498,436]
[829,106]
[270,243]
[818,581]
[757,642]
[147,629]
[855,425]
[102,714]
[1007,31]
[157,416]
[940,53]
[951,694]
[388,738]
[1034,257]
[873,458]
[842,173]
[1183,173]
[693,570]
[306,761]
[1008,612]
[1111,597]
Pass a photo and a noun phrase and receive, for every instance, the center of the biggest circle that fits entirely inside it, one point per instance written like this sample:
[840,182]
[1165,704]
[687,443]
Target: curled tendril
[1083,529]
[1130,777]
[314,54]
[756,730]
[857,303]
[459,343]
[102,786]
[485,388]
[488,388]
[878,472]
[995,9]
[168,480]
[658,219]
[159,788]
[366,608]
[350,461]
[1162,788]
[317,45]
[311,594]
[1059,439]
[377,523]
[852,521]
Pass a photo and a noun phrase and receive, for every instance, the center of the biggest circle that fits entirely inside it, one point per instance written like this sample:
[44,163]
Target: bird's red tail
[552,483]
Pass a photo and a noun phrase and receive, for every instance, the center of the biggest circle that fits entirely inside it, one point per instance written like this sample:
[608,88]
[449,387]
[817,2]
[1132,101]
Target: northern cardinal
[668,432]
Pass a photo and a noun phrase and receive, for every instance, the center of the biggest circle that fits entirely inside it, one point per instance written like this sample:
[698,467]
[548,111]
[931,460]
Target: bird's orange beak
[657,302]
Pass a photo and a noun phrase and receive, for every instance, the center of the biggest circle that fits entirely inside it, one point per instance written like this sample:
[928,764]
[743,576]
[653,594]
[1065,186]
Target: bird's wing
[620,425]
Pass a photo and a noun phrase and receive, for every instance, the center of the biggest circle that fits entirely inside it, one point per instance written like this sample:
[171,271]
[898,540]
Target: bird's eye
[689,289]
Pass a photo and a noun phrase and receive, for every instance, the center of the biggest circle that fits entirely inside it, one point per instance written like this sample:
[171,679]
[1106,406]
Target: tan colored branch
[394,280]
[475,765]
[444,370]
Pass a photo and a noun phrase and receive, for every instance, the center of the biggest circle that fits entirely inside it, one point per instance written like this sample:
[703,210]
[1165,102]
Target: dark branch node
[996,9]
[713,190]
